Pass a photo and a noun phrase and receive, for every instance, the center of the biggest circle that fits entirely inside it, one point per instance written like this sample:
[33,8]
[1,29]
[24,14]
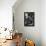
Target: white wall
[29,32]
[43,22]
[6,13]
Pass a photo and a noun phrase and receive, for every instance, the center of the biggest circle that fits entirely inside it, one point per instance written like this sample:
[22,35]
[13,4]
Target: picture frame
[29,18]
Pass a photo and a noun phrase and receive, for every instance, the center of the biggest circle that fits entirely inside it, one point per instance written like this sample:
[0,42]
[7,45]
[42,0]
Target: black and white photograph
[29,18]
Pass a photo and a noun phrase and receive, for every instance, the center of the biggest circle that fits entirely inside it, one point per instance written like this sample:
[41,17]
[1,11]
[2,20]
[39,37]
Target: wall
[43,22]
[6,13]
[32,33]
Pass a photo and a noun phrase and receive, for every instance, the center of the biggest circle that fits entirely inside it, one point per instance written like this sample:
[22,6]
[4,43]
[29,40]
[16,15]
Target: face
[26,15]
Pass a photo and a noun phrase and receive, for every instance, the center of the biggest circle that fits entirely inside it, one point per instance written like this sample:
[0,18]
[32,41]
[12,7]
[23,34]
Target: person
[28,19]
[18,40]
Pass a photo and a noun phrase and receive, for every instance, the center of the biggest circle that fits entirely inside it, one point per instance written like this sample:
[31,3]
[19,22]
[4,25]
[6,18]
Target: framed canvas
[29,18]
